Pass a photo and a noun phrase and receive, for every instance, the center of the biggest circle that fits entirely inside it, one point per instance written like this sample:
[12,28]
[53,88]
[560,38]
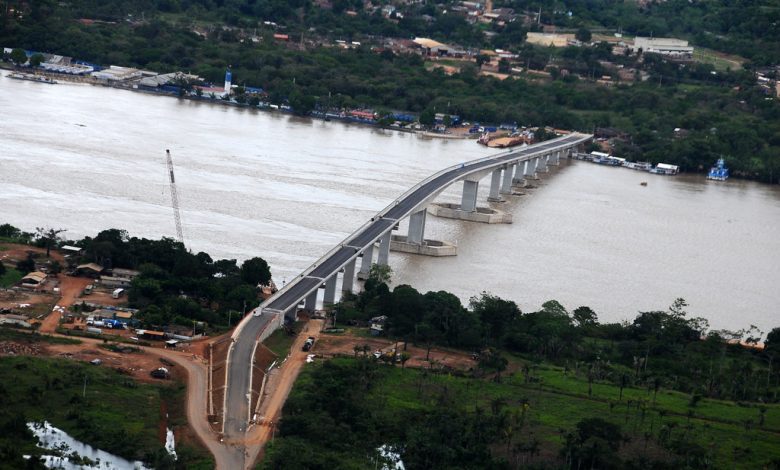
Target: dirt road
[196,374]
[70,289]
[278,388]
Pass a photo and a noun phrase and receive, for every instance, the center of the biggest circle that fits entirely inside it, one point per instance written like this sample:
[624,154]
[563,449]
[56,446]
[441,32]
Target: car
[95,362]
[257,313]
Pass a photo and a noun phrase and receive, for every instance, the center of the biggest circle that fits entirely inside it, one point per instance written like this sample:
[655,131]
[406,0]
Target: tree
[380,273]
[584,316]
[255,271]
[36,60]
[26,265]
[18,56]
[48,237]
[427,117]
[55,268]
[584,35]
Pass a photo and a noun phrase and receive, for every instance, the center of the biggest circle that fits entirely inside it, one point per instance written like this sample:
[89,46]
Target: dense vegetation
[566,392]
[175,286]
[112,412]
[722,114]
[658,349]
[341,412]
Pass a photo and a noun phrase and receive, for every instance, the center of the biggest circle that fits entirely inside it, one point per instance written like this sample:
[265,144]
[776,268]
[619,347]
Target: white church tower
[228,81]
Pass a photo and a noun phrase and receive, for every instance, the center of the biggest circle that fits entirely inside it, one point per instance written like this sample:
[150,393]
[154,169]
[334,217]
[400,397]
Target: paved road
[246,334]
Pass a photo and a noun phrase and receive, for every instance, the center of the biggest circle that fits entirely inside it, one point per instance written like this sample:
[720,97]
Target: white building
[665,46]
[117,74]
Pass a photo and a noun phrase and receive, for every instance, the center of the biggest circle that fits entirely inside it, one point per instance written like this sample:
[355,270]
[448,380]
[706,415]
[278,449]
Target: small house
[151,334]
[34,279]
[89,269]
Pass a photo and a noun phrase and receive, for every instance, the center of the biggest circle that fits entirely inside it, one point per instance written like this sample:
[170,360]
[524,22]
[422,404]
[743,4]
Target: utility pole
[84,393]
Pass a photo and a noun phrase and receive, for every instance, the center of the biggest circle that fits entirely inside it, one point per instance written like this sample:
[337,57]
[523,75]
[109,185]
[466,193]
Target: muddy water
[265,184]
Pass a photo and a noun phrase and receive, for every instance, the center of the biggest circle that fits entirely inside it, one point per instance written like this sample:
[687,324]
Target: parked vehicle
[309,343]
[117,293]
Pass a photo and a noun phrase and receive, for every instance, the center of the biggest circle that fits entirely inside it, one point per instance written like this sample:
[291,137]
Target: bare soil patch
[330,345]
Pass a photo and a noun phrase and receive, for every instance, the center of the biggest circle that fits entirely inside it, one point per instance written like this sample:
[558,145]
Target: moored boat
[719,172]
[31,78]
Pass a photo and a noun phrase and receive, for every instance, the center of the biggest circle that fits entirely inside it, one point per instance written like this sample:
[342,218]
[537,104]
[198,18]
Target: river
[254,183]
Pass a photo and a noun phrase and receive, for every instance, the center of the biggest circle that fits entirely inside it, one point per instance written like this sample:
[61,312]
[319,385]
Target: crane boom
[174,198]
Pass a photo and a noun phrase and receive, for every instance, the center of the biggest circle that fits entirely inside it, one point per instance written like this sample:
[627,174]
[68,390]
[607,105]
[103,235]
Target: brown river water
[287,189]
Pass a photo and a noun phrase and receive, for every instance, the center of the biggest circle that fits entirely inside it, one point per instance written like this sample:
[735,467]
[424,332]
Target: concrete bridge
[504,169]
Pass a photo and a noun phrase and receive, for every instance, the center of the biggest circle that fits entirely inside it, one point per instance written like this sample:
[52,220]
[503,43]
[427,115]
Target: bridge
[505,169]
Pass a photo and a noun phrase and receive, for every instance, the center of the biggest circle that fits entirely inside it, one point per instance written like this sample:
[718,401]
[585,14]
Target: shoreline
[87,80]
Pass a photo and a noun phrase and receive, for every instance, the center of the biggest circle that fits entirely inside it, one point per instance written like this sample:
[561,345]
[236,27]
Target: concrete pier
[469,200]
[506,183]
[416,232]
[528,170]
[542,168]
[483,215]
[495,187]
[349,277]
[365,264]
[384,250]
[330,290]
[519,177]
[311,301]
[402,244]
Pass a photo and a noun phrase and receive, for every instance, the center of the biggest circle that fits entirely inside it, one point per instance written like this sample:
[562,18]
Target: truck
[114,324]
[309,343]
[95,331]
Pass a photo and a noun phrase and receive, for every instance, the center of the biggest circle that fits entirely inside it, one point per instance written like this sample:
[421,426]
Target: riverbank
[89,80]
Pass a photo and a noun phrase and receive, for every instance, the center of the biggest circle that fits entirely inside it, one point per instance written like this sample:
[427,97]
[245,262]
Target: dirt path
[70,289]
[278,388]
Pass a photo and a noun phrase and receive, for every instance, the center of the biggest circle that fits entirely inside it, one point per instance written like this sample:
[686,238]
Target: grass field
[10,277]
[728,433]
[280,341]
[95,404]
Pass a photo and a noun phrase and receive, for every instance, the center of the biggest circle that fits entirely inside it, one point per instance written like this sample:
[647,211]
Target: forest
[550,389]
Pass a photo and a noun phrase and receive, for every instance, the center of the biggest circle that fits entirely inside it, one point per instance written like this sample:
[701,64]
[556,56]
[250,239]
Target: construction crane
[174,198]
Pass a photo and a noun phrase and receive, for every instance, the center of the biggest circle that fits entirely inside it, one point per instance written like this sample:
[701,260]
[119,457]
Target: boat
[665,169]
[639,166]
[719,172]
[32,78]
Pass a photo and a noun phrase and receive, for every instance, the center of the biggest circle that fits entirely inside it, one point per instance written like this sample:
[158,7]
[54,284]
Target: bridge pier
[542,167]
[495,186]
[384,249]
[349,277]
[506,184]
[365,264]
[311,301]
[330,290]
[519,179]
[415,241]
[468,202]
[528,171]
